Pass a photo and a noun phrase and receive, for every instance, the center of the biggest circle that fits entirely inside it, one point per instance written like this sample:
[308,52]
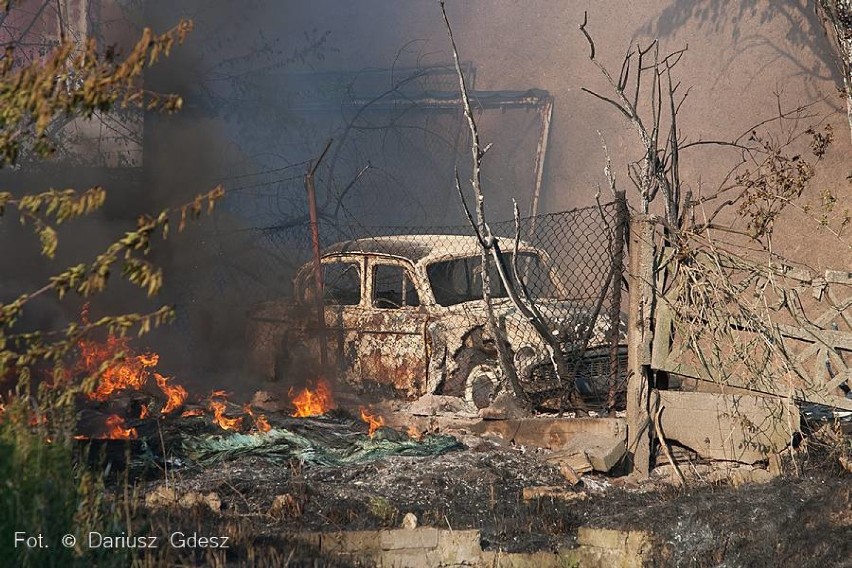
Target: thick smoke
[267,83]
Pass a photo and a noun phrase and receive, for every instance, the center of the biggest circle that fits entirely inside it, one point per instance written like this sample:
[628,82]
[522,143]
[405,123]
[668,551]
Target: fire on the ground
[406,313]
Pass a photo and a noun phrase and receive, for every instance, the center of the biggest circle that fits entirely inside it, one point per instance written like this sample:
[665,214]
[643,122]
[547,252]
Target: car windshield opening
[460,279]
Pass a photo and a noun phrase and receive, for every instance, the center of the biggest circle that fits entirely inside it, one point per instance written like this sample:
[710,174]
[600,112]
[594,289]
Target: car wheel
[483,383]
[466,361]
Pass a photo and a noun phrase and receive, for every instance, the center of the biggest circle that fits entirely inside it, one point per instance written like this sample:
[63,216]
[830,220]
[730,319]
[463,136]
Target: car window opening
[393,287]
[341,283]
[459,280]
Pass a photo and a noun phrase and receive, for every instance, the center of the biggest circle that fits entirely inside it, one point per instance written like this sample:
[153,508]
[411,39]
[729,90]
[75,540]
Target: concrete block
[408,558]
[602,538]
[744,475]
[524,560]
[604,453]
[435,405]
[608,547]
[575,458]
[423,537]
[728,427]
[586,452]
[542,432]
[460,548]
[365,543]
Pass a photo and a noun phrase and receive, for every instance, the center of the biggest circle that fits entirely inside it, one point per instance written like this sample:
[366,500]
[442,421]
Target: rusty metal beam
[315,244]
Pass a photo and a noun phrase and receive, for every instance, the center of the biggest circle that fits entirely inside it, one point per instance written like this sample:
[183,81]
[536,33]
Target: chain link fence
[570,262]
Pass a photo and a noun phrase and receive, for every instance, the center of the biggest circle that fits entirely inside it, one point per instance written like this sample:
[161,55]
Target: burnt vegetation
[95,438]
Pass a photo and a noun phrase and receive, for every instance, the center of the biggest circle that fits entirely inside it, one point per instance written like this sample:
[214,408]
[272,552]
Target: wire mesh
[570,263]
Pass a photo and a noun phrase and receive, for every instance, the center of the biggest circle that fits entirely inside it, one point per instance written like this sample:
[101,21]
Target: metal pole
[315,244]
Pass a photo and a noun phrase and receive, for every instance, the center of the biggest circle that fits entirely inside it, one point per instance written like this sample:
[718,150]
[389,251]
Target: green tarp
[319,446]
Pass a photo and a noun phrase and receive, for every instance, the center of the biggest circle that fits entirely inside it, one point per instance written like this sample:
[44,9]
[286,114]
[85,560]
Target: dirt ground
[794,520]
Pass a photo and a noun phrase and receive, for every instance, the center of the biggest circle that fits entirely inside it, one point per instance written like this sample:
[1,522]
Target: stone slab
[728,427]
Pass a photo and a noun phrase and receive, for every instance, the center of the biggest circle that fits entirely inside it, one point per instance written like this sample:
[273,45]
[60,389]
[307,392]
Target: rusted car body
[406,313]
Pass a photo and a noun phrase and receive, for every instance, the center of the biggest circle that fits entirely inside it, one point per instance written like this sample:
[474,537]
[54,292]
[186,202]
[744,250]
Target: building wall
[743,58]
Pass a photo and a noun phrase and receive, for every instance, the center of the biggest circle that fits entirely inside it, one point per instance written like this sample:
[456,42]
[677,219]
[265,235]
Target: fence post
[639,335]
[315,245]
[622,220]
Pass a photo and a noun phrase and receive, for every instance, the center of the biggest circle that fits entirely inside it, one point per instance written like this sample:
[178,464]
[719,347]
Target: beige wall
[740,54]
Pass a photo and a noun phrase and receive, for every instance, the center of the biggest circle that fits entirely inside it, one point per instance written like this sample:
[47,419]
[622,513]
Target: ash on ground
[479,484]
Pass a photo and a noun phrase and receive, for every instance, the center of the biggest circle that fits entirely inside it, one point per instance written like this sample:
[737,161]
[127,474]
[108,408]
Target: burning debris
[124,381]
[176,394]
[131,397]
[313,402]
[116,429]
[217,406]
[260,421]
[124,370]
[374,421]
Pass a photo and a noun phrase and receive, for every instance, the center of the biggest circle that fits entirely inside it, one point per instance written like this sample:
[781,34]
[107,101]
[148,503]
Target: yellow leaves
[77,81]
[71,82]
[164,315]
[68,204]
[121,324]
[67,280]
[49,240]
[194,208]
[58,205]
[183,29]
[162,45]
[213,196]
[143,274]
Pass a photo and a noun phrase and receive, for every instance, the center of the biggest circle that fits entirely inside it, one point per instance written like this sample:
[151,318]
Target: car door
[392,348]
[343,300]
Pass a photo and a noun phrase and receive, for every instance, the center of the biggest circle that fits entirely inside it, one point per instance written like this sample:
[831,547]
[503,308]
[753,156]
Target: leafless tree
[510,276]
[725,302]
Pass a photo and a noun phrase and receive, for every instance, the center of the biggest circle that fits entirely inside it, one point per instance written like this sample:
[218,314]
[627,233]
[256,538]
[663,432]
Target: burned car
[406,313]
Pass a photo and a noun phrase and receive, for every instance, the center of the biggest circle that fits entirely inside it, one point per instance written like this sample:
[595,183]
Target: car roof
[421,249]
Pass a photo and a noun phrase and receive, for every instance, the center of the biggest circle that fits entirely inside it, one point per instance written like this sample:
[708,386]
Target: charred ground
[263,505]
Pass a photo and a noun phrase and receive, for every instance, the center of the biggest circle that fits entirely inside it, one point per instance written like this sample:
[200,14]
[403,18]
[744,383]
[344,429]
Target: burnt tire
[476,378]
[466,360]
[483,383]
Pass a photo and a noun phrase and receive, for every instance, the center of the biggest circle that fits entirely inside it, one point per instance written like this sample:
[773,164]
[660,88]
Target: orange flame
[414,433]
[191,412]
[119,368]
[176,394]
[375,421]
[116,429]
[262,424]
[225,423]
[145,412]
[313,402]
[260,421]
[128,372]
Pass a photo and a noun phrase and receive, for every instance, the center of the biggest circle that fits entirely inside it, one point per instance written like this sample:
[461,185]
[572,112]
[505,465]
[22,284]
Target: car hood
[565,318]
